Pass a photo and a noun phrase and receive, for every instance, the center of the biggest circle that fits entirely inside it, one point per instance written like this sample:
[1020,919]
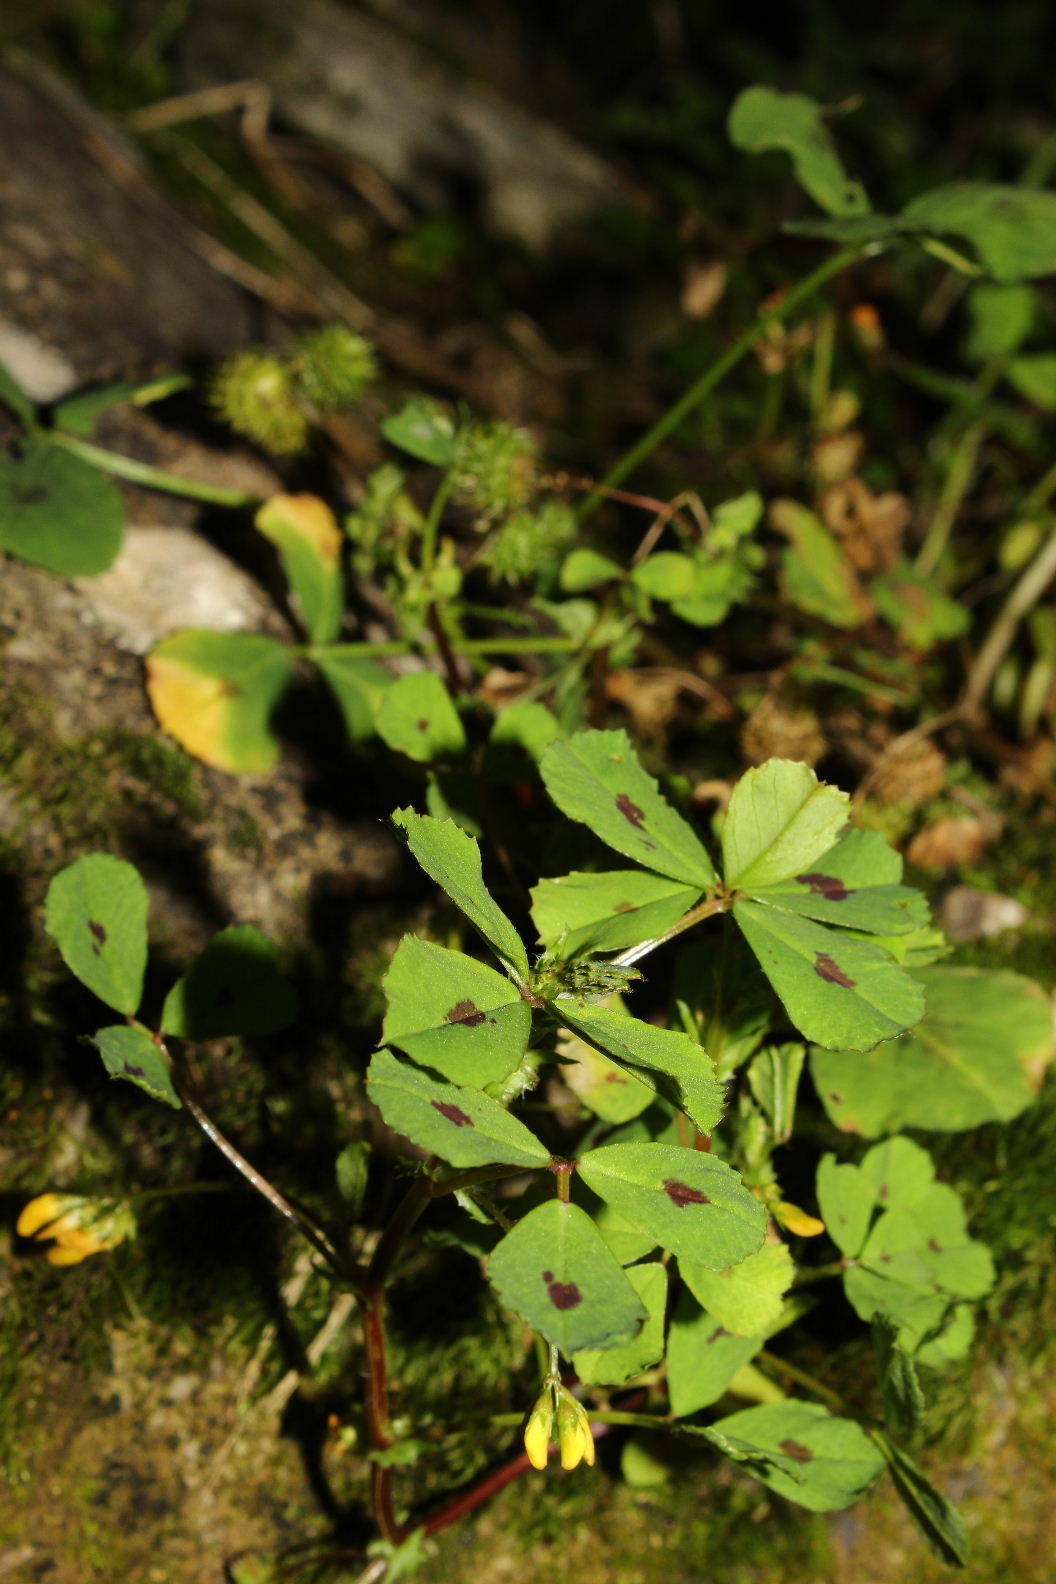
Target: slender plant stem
[432,521]
[1024,596]
[958,478]
[696,915]
[801,1377]
[152,477]
[713,376]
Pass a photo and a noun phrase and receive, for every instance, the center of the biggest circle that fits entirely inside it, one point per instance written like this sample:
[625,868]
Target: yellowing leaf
[214,692]
[308,539]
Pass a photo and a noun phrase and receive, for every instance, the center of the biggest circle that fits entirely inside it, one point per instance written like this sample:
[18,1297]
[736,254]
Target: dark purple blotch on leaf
[631,812]
[826,968]
[795,1449]
[100,936]
[828,886]
[563,1295]
[133,1072]
[466,1012]
[681,1194]
[453,1113]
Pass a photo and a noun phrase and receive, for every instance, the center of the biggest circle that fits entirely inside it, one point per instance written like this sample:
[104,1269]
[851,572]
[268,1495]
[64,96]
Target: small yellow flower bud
[573,1431]
[41,1212]
[797,1220]
[538,1430]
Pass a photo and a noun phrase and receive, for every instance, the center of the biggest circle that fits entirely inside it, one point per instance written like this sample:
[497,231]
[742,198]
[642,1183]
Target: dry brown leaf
[835,457]
[870,527]
[914,774]
[776,730]
[952,841]
[650,698]
[703,284]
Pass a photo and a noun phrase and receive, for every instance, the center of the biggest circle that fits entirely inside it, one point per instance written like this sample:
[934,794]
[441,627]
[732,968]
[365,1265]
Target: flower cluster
[574,1438]
[78,1226]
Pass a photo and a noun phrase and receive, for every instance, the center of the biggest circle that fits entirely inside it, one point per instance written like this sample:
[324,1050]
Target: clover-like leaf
[979,1055]
[666,1059]
[839,991]
[58,512]
[215,693]
[801,1451]
[781,819]
[452,859]
[765,118]
[234,987]
[595,777]
[555,1271]
[746,1298]
[357,684]
[816,572]
[309,541]
[1012,229]
[452,1013]
[615,1365]
[96,912]
[702,1357]
[131,1052]
[607,911]
[423,430]
[691,1202]
[416,716]
[460,1125]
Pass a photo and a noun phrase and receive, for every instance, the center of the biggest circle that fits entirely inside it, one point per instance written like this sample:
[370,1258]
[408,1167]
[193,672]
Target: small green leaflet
[1013,229]
[96,912]
[452,859]
[613,1366]
[846,1200]
[917,609]
[309,541]
[899,1386]
[215,693]
[130,1052]
[58,512]
[423,430]
[979,1055]
[773,1077]
[801,1451]
[452,1013]
[416,716]
[702,1357]
[462,1126]
[555,1271]
[79,414]
[666,1059]
[595,777]
[585,569]
[764,118]
[816,574]
[780,819]
[747,1298]
[234,988]
[854,884]
[691,1202]
[937,1519]
[610,1091]
[357,685]
[13,396]
[520,736]
[607,911]
[855,994]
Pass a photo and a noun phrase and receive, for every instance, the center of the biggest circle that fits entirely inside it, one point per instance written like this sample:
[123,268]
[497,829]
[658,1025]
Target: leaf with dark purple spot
[596,777]
[462,1126]
[96,912]
[702,1357]
[555,1271]
[688,1200]
[802,1451]
[839,991]
[855,884]
[608,911]
[454,1014]
[130,1052]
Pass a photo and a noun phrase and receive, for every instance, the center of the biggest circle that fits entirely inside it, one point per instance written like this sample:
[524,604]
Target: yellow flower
[78,1225]
[573,1431]
[797,1220]
[539,1428]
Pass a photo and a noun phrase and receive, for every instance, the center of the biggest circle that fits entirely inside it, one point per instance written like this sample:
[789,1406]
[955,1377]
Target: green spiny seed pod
[254,393]
[527,541]
[332,367]
[496,469]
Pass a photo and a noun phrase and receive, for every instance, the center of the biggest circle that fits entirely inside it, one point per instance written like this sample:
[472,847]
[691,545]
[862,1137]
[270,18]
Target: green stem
[152,477]
[713,376]
[432,522]
[821,366]
[958,478]
[810,1274]
[466,646]
[801,1377]
[703,910]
